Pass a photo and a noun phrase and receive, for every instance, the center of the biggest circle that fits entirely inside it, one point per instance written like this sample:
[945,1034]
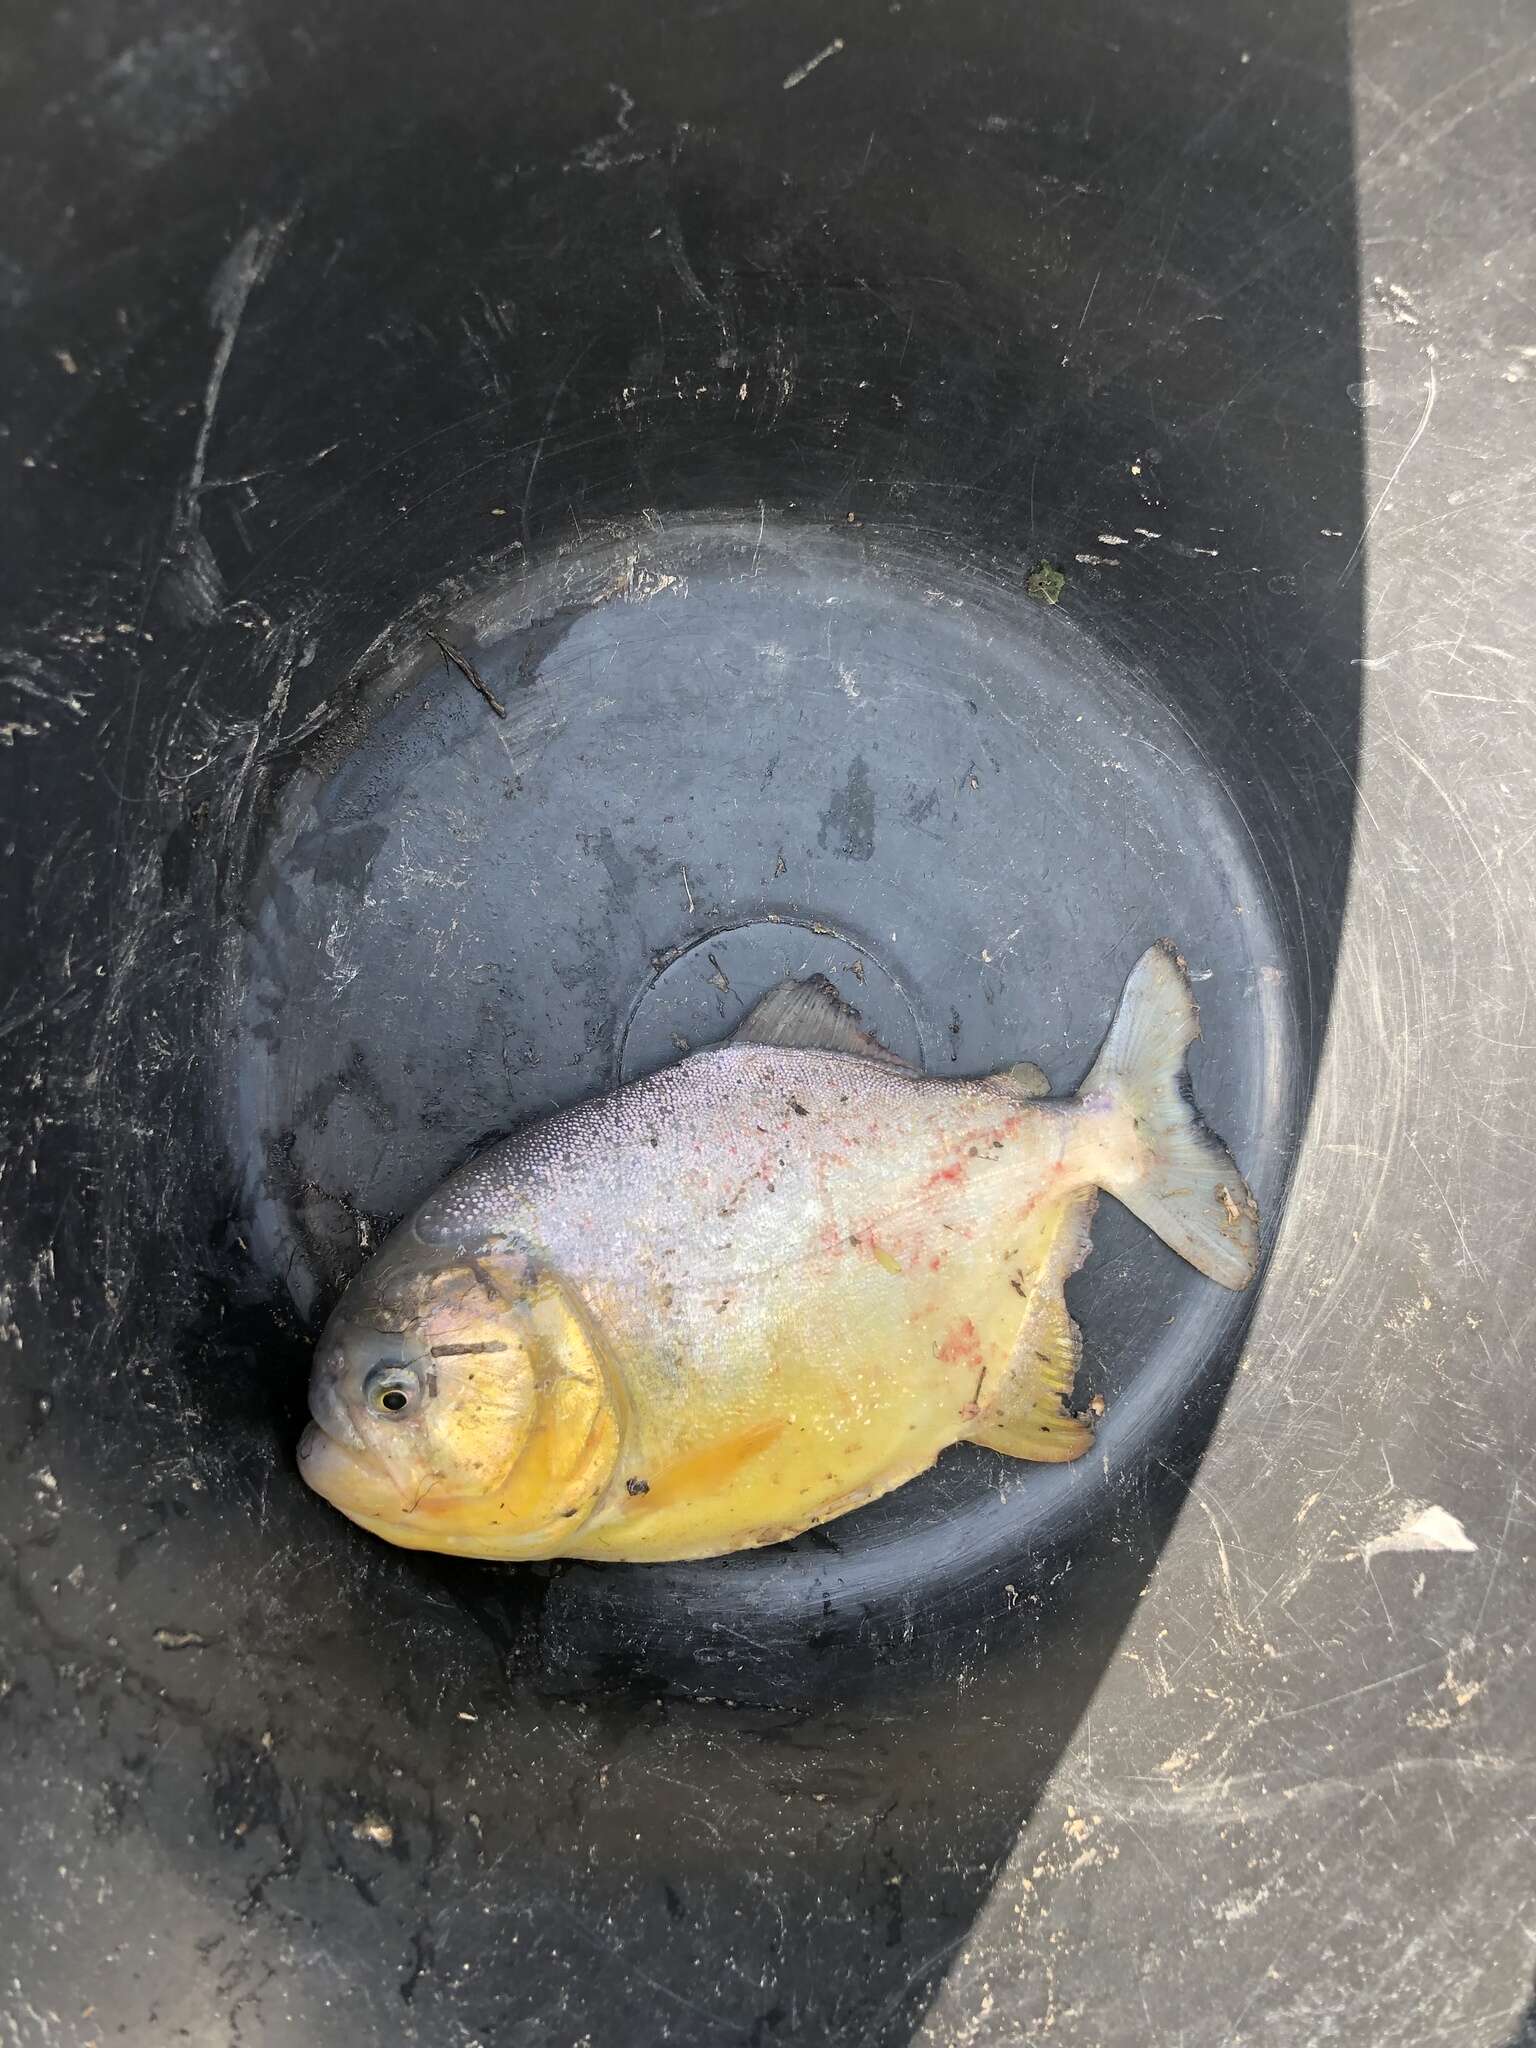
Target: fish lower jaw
[488,1544]
[460,1527]
[350,1480]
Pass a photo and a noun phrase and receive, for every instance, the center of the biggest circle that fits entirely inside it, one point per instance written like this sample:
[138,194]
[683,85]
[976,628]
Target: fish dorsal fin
[1023,1079]
[810,1016]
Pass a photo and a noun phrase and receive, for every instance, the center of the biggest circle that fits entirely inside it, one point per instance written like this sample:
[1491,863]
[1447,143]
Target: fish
[737,1299]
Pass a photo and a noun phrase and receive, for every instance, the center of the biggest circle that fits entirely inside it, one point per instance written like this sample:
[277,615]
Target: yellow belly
[877,1361]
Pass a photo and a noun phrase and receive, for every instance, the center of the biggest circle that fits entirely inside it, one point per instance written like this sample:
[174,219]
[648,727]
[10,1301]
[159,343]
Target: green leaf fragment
[1046,582]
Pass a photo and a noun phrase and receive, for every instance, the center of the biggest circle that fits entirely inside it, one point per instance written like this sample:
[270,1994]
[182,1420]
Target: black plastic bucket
[708,388]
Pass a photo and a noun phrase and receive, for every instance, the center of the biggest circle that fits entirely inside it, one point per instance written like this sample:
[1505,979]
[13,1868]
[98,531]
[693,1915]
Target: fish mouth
[352,1482]
[330,1414]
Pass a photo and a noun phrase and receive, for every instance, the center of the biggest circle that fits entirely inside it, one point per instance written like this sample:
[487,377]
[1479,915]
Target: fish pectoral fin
[706,1471]
[810,1016]
[1030,1418]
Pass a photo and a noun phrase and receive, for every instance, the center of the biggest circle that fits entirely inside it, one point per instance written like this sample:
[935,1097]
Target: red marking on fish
[960,1345]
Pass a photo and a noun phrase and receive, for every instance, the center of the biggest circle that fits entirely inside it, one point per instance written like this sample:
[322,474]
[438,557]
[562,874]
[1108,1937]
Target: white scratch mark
[1386,492]
[599,155]
[198,581]
[1445,1202]
[799,76]
[238,276]
[1498,1558]
[538,453]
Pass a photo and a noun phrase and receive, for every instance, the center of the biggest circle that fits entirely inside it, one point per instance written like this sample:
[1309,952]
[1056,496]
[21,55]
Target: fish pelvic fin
[1184,1183]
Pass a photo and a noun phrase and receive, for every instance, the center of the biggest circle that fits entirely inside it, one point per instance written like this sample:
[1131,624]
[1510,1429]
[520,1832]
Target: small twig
[803,71]
[470,674]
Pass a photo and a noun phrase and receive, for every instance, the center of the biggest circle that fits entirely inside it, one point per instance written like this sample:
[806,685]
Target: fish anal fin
[810,1016]
[1028,1415]
[1031,1419]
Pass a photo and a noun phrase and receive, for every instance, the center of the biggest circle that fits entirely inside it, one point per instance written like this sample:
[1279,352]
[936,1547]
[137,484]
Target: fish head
[422,1388]
[459,1403]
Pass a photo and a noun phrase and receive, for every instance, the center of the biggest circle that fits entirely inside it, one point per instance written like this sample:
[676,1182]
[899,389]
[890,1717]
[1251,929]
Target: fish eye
[392,1389]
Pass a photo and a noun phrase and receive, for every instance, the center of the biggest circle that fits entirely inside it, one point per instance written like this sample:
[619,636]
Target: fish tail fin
[1184,1183]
